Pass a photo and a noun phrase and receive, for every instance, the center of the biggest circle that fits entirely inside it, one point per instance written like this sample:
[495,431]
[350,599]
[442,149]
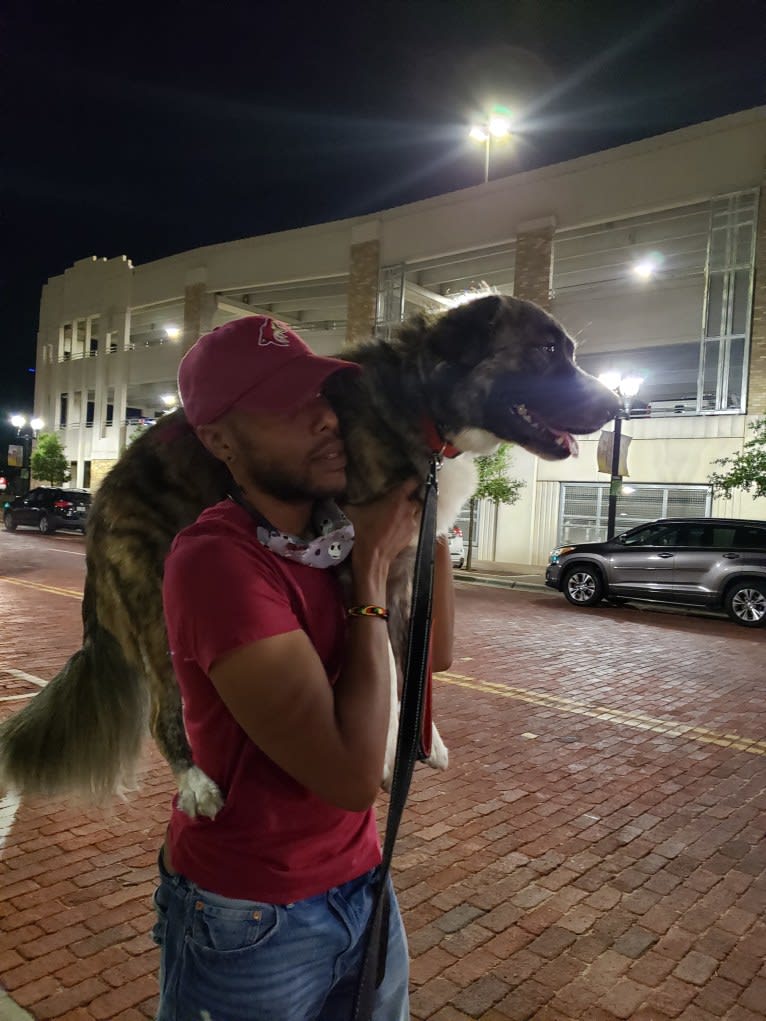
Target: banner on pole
[15,455]
[604,454]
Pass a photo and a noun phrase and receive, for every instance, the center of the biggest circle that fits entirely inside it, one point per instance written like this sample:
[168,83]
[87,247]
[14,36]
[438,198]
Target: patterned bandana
[334,541]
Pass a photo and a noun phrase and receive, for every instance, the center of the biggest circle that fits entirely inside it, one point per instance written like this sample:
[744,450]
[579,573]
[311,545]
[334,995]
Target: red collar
[436,443]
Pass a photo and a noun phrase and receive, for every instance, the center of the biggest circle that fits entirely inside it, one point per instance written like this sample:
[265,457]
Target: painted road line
[9,806]
[71,552]
[22,675]
[74,593]
[637,720]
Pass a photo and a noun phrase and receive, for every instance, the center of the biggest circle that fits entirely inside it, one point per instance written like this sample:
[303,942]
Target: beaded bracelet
[368,611]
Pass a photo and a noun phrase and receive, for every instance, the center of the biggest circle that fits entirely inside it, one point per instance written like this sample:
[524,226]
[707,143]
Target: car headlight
[560,551]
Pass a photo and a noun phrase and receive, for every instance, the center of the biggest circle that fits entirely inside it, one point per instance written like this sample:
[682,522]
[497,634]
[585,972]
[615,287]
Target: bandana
[334,536]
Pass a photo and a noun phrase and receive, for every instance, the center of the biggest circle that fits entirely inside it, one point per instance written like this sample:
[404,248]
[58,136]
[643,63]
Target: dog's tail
[81,736]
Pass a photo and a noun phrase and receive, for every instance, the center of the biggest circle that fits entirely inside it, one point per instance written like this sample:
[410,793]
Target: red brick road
[595,851]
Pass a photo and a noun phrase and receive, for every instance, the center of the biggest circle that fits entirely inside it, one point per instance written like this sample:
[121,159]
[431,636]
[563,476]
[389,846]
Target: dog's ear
[464,334]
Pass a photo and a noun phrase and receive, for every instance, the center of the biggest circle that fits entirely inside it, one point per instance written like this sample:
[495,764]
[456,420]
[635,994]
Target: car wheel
[460,563]
[583,586]
[45,525]
[745,603]
[10,524]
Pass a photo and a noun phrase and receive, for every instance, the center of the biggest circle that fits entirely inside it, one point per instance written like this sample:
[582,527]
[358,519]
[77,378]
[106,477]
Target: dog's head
[505,367]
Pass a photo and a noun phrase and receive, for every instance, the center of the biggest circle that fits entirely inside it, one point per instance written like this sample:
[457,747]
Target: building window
[666,296]
[437,284]
[583,507]
[731,256]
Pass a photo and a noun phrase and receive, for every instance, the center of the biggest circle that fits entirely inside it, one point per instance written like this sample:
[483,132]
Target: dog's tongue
[567,441]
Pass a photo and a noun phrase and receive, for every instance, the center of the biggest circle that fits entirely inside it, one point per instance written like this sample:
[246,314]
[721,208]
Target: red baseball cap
[255,363]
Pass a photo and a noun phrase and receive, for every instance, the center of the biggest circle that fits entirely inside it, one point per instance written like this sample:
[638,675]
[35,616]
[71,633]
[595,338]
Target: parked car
[713,562]
[456,548]
[48,508]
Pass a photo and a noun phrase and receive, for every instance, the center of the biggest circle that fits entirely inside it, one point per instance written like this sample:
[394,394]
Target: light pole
[495,126]
[35,424]
[626,388]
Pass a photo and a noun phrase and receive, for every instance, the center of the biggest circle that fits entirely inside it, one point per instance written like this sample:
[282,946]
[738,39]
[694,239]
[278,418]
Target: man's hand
[383,528]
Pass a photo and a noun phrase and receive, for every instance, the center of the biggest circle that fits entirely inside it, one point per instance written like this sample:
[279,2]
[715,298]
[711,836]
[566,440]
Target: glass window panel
[744,246]
[718,249]
[751,537]
[669,373]
[715,305]
[711,356]
[584,507]
[687,502]
[722,536]
[741,303]
[736,380]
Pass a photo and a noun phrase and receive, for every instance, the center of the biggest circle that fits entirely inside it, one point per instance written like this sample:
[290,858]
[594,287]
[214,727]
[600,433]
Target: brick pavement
[595,850]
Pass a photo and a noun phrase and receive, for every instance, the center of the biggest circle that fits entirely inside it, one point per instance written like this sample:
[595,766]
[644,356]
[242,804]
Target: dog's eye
[549,349]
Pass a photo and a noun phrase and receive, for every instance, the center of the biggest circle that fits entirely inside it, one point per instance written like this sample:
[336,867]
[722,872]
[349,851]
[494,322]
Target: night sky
[145,130]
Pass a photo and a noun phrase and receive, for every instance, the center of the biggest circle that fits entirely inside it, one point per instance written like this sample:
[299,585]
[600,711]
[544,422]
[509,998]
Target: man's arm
[330,739]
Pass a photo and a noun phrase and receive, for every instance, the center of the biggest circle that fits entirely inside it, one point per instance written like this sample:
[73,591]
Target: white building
[570,236]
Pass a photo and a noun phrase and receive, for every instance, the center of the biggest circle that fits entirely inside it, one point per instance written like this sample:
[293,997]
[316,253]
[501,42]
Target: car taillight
[62,504]
[457,531]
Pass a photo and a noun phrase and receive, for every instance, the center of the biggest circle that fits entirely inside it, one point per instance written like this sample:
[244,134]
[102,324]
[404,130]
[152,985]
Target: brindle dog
[496,368]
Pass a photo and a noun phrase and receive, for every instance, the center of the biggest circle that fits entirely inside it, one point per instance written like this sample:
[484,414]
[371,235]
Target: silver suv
[713,562]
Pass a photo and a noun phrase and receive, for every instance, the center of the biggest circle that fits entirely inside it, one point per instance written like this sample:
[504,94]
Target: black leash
[407,744]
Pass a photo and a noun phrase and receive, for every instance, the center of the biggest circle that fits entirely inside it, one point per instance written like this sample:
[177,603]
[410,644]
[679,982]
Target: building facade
[652,254]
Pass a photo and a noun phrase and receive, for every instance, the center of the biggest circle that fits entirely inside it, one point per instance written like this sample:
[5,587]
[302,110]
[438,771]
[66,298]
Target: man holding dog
[262,911]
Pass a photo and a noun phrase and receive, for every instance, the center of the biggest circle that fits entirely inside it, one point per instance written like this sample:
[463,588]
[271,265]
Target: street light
[495,126]
[626,388]
[19,422]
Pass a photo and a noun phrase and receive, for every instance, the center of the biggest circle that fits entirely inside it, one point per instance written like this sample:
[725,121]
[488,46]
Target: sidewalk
[498,575]
[594,852]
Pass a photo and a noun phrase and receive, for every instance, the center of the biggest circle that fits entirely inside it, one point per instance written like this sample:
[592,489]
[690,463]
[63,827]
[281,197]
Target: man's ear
[215,439]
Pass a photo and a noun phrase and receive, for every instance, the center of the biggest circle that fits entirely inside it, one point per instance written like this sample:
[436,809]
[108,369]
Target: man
[262,911]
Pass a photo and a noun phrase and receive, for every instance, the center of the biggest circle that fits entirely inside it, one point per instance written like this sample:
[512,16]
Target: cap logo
[272,332]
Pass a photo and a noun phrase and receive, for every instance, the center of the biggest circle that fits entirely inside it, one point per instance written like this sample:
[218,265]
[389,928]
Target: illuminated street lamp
[172,332]
[626,388]
[20,423]
[495,126]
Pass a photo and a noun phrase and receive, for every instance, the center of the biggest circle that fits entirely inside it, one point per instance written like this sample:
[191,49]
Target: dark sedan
[48,508]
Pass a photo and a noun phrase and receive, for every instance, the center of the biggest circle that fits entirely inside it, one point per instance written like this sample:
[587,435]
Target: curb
[503,582]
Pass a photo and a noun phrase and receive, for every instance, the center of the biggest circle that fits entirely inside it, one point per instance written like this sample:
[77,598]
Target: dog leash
[414,690]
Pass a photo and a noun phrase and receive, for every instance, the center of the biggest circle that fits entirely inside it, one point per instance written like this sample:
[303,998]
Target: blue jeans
[236,960]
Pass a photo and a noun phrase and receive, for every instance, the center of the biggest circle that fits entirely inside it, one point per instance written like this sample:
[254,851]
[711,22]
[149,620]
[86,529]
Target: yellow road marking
[73,593]
[639,721]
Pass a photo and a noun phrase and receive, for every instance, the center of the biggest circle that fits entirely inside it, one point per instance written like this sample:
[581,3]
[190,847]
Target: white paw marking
[198,794]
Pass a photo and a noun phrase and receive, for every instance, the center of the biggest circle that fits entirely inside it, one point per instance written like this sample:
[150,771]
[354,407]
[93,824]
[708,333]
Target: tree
[49,463]
[494,484]
[747,469]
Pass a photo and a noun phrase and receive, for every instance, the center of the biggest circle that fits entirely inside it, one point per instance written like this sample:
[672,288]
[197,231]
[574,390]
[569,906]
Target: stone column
[198,308]
[534,255]
[364,270]
[756,390]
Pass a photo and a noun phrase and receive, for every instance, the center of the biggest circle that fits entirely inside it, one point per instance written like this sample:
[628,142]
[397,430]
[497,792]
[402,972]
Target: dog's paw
[198,794]
[439,757]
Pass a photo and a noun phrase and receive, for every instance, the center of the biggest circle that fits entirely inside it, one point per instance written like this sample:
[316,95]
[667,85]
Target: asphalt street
[594,851]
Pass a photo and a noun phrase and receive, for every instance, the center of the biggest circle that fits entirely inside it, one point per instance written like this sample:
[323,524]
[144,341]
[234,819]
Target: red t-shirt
[273,841]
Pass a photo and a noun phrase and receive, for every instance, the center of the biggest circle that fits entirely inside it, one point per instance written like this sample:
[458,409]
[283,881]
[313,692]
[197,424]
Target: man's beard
[286,483]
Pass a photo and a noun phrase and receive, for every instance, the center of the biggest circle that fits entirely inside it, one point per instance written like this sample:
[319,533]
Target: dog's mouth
[540,437]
